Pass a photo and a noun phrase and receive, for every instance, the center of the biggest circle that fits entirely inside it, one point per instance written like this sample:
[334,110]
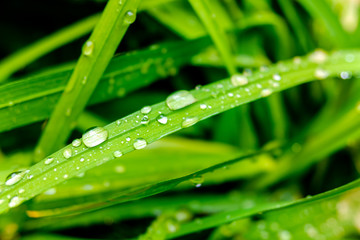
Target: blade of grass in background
[327,17]
[96,55]
[47,44]
[32,99]
[291,217]
[211,22]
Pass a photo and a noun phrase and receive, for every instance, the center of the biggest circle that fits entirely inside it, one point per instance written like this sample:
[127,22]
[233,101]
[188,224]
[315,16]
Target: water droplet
[180,99]
[321,74]
[145,120]
[197,180]
[345,75]
[203,106]
[14,177]
[50,191]
[266,92]
[140,143]
[88,48]
[117,154]
[284,235]
[88,187]
[67,153]
[189,121]
[318,56]
[15,201]
[239,80]
[162,119]
[82,159]
[171,226]
[120,169]
[129,17]
[76,142]
[145,110]
[183,215]
[21,190]
[118,122]
[121,2]
[65,176]
[95,136]
[310,230]
[128,139]
[49,160]
[297,60]
[276,77]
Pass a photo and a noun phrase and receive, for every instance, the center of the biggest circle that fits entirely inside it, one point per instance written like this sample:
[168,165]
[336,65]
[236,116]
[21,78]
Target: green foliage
[266,123]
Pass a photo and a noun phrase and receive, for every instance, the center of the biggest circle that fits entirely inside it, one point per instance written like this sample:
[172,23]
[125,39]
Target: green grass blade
[297,25]
[337,34]
[96,55]
[204,204]
[290,216]
[38,49]
[216,31]
[128,134]
[32,99]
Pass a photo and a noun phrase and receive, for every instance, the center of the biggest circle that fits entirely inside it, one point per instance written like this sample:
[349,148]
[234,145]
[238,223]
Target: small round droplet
[189,121]
[266,92]
[345,75]
[95,136]
[276,77]
[14,177]
[117,154]
[162,119]
[203,106]
[321,74]
[129,17]
[88,48]
[50,191]
[120,169]
[76,143]
[65,176]
[140,143]
[49,160]
[180,99]
[145,120]
[318,56]
[239,80]
[15,201]
[197,180]
[285,235]
[171,226]
[67,153]
[145,110]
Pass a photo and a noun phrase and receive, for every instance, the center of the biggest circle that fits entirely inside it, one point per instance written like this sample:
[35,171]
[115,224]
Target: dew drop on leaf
[117,154]
[318,56]
[14,177]
[140,143]
[180,99]
[276,77]
[145,110]
[129,17]
[284,235]
[15,201]
[88,48]
[162,119]
[189,121]
[49,160]
[67,153]
[145,120]
[203,106]
[321,74]
[197,180]
[266,92]
[76,143]
[239,80]
[95,136]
